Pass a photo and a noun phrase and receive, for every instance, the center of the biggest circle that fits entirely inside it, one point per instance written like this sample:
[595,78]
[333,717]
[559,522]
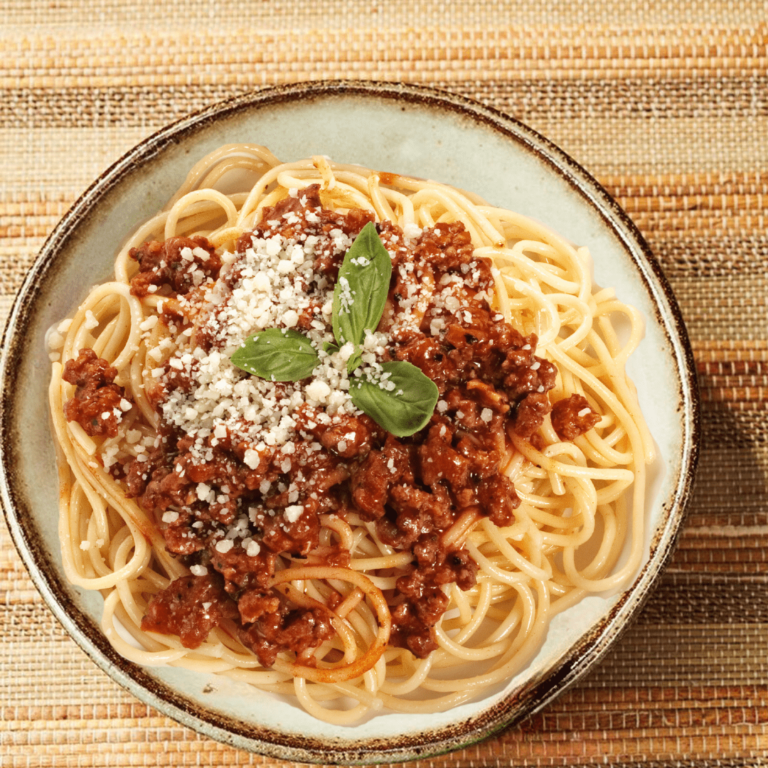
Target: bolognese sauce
[243,470]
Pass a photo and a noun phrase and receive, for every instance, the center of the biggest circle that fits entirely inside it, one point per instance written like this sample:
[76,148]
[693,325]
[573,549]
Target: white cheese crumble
[412,231]
[452,303]
[318,391]
[294,512]
[55,340]
[251,458]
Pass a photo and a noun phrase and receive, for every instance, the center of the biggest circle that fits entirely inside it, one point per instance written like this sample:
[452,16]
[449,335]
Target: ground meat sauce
[191,607]
[573,417]
[229,506]
[174,266]
[99,403]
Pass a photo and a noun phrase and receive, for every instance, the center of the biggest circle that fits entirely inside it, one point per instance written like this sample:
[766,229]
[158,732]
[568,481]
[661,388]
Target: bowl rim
[536,693]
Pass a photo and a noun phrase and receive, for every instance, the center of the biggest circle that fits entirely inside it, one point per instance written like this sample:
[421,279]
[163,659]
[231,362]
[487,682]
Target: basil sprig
[401,409]
[277,354]
[361,291]
[399,398]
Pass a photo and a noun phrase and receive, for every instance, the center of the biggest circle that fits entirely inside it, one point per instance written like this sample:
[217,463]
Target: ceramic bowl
[390,127]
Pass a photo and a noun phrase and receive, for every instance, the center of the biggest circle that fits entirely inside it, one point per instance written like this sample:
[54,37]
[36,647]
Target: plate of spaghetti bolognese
[370,427]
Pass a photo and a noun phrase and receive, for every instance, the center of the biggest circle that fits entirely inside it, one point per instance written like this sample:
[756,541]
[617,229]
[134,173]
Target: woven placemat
[666,103]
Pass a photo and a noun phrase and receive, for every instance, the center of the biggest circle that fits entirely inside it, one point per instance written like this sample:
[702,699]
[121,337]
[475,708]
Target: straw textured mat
[666,103]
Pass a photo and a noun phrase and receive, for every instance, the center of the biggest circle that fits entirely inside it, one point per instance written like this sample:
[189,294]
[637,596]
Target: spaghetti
[272,532]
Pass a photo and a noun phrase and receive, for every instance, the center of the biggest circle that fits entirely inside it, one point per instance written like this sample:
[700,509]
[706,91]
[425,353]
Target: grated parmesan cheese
[294,512]
[90,320]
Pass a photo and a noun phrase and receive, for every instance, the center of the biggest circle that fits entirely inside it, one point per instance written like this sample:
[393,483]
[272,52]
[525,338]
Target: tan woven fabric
[665,102]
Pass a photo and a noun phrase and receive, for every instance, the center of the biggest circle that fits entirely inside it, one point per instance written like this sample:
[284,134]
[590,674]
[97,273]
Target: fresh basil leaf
[329,348]
[361,290]
[355,361]
[402,409]
[277,354]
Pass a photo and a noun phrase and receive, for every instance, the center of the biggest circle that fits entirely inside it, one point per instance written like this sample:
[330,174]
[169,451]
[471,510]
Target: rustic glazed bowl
[390,127]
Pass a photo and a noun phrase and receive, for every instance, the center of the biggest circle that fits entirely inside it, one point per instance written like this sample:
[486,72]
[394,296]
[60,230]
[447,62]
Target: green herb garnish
[400,399]
[277,354]
[361,291]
